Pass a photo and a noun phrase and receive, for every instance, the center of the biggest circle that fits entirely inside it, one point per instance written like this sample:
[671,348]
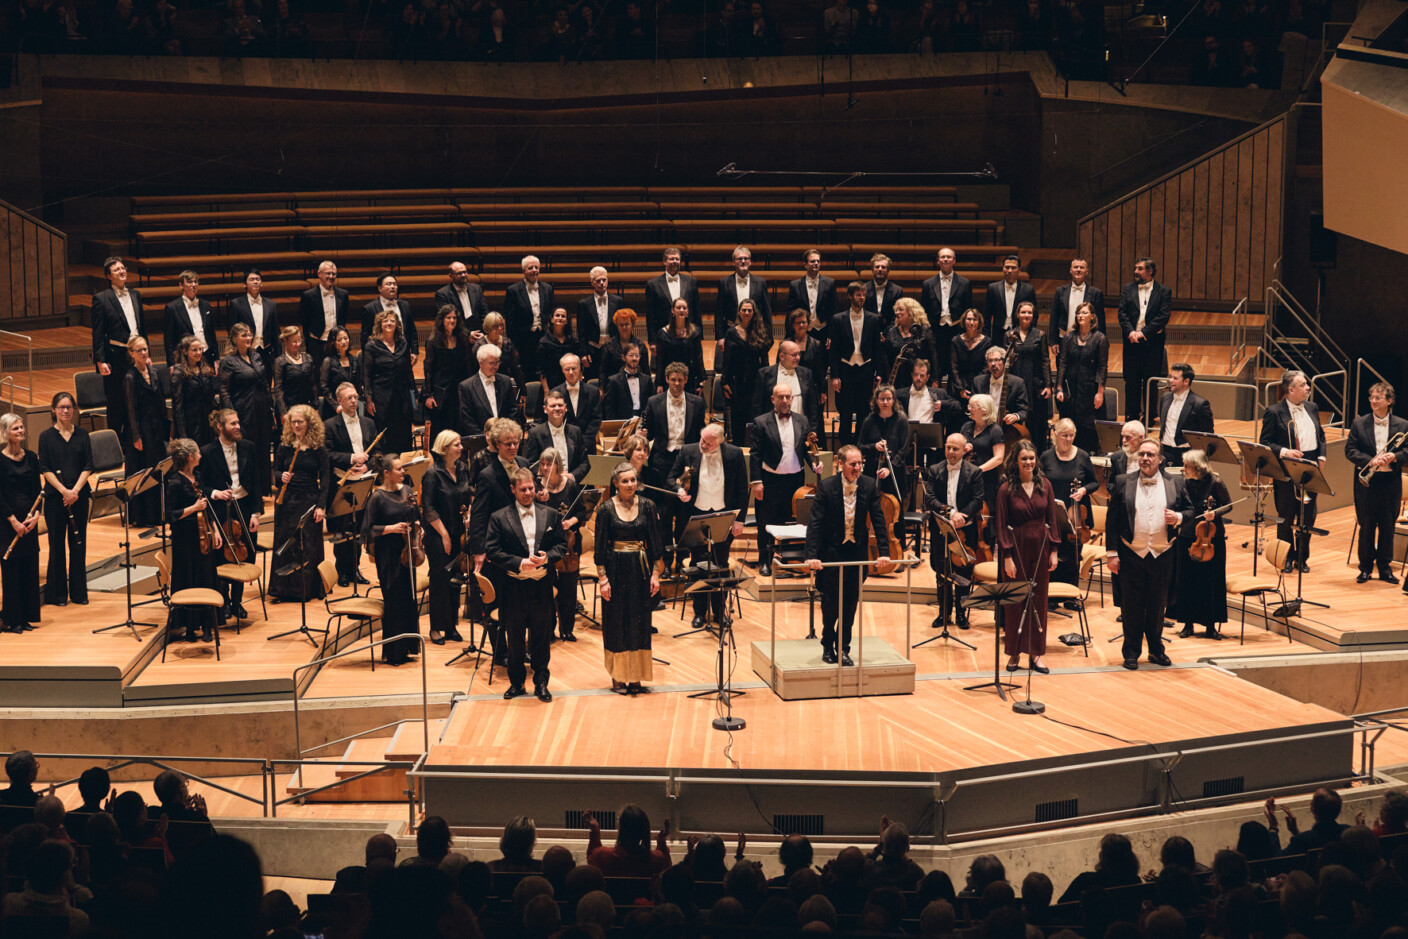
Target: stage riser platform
[1345,683]
[801,673]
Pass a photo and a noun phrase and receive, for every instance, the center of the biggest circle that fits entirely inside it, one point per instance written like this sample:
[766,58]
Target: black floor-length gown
[312,480]
[399,616]
[146,421]
[627,552]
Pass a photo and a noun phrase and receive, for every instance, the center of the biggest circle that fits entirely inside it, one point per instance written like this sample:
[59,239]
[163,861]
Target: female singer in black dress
[189,566]
[195,392]
[1072,475]
[1080,376]
[558,492]
[987,448]
[558,340]
[340,364]
[612,354]
[968,353]
[911,326]
[1026,552]
[495,334]
[810,337]
[244,387]
[447,363]
[1200,596]
[386,363]
[295,381]
[1031,362]
[386,525]
[629,561]
[147,427]
[679,341]
[745,351]
[19,488]
[66,460]
[885,432]
[308,480]
[445,493]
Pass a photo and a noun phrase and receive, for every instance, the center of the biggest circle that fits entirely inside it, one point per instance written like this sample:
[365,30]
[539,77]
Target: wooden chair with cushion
[1247,585]
[361,609]
[190,598]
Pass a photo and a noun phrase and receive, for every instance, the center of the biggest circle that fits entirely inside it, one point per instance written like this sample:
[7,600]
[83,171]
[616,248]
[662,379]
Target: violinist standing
[1200,597]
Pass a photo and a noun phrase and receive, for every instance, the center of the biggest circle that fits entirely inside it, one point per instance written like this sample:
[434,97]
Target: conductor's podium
[801,674]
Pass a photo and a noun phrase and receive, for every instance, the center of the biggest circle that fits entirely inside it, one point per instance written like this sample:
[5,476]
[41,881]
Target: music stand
[415,470]
[298,566]
[1264,462]
[1108,433]
[348,498]
[1306,476]
[705,531]
[994,597]
[134,485]
[1218,448]
[947,532]
[723,688]
[473,444]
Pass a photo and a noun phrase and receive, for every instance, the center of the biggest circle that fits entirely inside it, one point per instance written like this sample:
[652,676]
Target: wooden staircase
[405,745]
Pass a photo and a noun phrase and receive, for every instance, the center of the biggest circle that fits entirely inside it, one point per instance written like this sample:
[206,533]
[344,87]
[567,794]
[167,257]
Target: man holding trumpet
[1378,448]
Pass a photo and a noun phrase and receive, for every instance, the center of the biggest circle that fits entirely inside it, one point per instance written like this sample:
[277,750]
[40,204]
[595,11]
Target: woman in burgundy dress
[1027,539]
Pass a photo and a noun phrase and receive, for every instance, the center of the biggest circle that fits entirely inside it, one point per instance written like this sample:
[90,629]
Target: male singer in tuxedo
[661,293]
[583,400]
[117,317]
[522,538]
[775,468]
[594,318]
[493,490]
[1008,391]
[856,354]
[1003,297]
[813,292]
[557,433]
[925,404]
[734,289]
[670,420]
[843,505]
[1376,505]
[880,293]
[188,315]
[487,393]
[322,309]
[1181,409]
[261,315]
[387,292]
[945,297]
[225,464]
[799,378]
[528,305]
[1145,307]
[1145,509]
[468,299]
[718,482]
[1071,295]
[627,391]
[957,484]
[348,438]
[1291,428]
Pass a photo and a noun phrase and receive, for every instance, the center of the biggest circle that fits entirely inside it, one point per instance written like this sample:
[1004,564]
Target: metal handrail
[1256,412]
[1359,368]
[29,344]
[1344,393]
[1238,351]
[1307,322]
[162,762]
[424,693]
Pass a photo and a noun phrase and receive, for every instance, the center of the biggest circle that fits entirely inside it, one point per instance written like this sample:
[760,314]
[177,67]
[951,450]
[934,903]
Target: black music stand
[294,546]
[1218,448]
[348,499]
[955,580]
[994,597]
[1264,463]
[705,531]
[1306,476]
[1108,433]
[134,485]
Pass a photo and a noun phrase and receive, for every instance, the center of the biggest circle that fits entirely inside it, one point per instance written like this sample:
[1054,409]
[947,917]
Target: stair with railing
[349,778]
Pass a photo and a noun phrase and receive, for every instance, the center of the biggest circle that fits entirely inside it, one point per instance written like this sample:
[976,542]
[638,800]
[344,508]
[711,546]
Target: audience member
[1325,809]
[45,872]
[795,853]
[516,846]
[22,769]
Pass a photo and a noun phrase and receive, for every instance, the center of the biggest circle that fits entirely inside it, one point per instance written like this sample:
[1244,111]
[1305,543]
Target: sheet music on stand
[1219,449]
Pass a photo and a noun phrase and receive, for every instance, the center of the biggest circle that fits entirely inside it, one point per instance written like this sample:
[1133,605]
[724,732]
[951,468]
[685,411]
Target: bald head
[789,354]
[711,437]
[954,445]
[782,400]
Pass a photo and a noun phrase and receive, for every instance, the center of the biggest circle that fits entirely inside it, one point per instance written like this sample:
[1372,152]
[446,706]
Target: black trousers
[775,507]
[444,600]
[1173,456]
[1376,509]
[527,613]
[116,394]
[566,600]
[67,577]
[1287,505]
[1144,585]
[853,400]
[832,582]
[1142,361]
[703,603]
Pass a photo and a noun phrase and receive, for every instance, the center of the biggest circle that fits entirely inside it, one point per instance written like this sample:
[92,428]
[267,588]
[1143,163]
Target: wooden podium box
[801,673]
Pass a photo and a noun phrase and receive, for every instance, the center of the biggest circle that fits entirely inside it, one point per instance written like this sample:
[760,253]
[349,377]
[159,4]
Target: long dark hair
[438,336]
[757,328]
[1012,474]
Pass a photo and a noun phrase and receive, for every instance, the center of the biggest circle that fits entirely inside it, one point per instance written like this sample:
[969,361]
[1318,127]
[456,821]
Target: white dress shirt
[1145,290]
[1175,408]
[1305,438]
[574,392]
[813,288]
[197,321]
[536,303]
[490,393]
[633,383]
[354,432]
[256,312]
[857,328]
[529,520]
[1076,298]
[603,314]
[1010,296]
[711,483]
[790,462]
[1150,532]
[955,471]
[672,287]
[124,300]
[559,441]
[329,310]
[466,306]
[232,461]
[921,406]
[848,499]
[1380,435]
[674,420]
[788,377]
[945,290]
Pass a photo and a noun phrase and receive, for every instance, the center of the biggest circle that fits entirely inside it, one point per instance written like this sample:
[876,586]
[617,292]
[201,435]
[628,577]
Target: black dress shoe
[1131,664]
[697,623]
[846,660]
[938,622]
[765,569]
[568,637]
[343,581]
[357,578]
[1040,669]
[828,657]
[1163,660]
[1013,666]
[241,612]
[514,691]
[189,637]
[963,622]
[543,693]
[1363,577]
[438,640]
[60,603]
[453,635]
[1387,576]
[1213,634]
[83,602]
[1305,567]
[207,636]
[1187,632]
[1289,567]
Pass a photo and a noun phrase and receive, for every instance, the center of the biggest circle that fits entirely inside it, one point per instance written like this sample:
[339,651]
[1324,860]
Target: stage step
[387,786]
[408,740]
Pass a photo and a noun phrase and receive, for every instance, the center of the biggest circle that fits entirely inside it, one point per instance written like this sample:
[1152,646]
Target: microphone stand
[1028,706]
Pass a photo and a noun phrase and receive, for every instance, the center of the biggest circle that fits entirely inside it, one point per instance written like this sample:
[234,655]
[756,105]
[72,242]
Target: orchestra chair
[91,397]
[361,609]
[190,598]
[533,403]
[1071,593]
[1246,585]
[244,573]
[1095,549]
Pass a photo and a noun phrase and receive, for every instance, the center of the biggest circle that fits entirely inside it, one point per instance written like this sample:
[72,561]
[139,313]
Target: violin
[957,550]
[236,548]
[202,524]
[413,554]
[1081,531]
[1202,548]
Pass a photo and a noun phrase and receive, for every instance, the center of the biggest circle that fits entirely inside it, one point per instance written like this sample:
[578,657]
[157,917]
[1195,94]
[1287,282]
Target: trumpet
[1394,443]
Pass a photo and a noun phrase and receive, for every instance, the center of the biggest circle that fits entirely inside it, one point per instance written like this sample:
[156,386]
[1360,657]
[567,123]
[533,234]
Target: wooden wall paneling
[1197,281]
[1229,224]
[31,271]
[16,255]
[1275,185]
[44,276]
[1214,228]
[58,248]
[1157,196]
[1111,262]
[1099,227]
[1183,283]
[1245,196]
[1256,255]
[1141,224]
[1169,263]
[1084,237]
[1128,230]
